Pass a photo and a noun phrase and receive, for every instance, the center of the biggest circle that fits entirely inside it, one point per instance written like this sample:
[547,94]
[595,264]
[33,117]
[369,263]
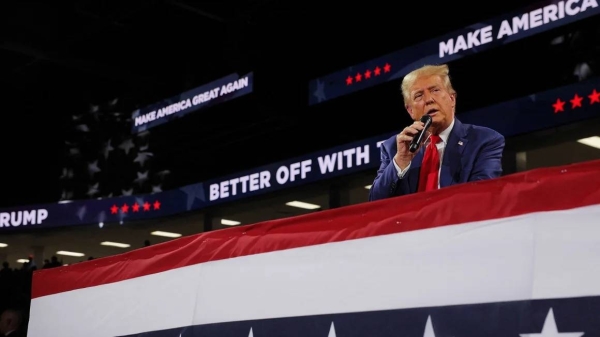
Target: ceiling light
[115,244]
[301,204]
[166,234]
[591,141]
[229,222]
[2,245]
[22,261]
[67,253]
[368,187]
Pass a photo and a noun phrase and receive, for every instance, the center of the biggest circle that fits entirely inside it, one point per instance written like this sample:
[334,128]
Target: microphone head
[414,145]
[426,119]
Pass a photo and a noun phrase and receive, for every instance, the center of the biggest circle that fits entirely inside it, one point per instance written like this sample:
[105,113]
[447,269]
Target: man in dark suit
[452,152]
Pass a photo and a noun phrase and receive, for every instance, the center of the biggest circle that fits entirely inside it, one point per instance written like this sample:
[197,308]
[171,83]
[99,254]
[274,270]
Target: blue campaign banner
[470,40]
[540,111]
[552,108]
[221,90]
[337,161]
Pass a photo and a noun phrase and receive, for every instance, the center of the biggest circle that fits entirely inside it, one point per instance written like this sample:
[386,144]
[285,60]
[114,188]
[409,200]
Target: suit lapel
[452,161]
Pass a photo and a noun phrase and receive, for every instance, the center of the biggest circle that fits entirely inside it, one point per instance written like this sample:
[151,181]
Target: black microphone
[414,144]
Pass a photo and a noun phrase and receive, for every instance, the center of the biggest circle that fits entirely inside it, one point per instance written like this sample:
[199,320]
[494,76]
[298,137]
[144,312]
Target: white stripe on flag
[535,256]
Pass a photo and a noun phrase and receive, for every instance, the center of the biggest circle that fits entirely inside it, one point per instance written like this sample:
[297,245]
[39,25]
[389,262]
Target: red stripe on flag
[540,190]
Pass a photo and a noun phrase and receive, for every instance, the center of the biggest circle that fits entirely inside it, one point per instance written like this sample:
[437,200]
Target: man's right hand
[403,156]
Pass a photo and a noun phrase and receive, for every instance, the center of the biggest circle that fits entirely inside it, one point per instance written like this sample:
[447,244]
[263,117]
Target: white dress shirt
[440,146]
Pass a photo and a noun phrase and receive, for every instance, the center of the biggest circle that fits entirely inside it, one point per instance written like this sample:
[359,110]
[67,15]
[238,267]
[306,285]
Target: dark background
[72,73]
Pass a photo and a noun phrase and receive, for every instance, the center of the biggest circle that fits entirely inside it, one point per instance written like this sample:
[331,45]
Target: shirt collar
[446,133]
[443,135]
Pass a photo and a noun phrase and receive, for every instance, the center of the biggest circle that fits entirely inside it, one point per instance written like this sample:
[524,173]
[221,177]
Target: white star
[250,334]
[81,212]
[429,328]
[141,177]
[82,128]
[582,71]
[66,173]
[122,217]
[320,91]
[550,330]
[127,145]
[332,331]
[92,190]
[74,151]
[558,40]
[107,149]
[101,216]
[66,195]
[142,157]
[93,168]
[127,192]
[156,189]
[193,192]
[162,174]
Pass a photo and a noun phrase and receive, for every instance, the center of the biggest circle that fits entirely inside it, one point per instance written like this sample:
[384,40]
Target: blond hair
[427,70]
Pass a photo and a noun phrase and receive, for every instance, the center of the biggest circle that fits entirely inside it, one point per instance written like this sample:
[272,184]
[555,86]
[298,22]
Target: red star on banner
[377,71]
[124,208]
[368,74]
[114,209]
[156,205]
[135,207]
[576,102]
[349,80]
[594,97]
[558,106]
[146,206]
[386,68]
[358,77]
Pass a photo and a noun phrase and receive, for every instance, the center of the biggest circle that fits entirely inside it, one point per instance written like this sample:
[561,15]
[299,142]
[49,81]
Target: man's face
[428,95]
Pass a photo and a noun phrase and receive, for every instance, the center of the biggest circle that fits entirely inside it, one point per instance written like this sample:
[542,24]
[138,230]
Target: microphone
[414,144]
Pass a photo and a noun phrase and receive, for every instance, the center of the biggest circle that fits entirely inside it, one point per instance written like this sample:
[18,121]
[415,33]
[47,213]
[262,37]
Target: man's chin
[437,122]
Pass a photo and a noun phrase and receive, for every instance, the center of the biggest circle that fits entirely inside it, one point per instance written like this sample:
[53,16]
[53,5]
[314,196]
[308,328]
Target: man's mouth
[432,111]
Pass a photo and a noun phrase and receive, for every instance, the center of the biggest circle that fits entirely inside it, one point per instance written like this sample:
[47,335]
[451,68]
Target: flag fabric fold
[511,256]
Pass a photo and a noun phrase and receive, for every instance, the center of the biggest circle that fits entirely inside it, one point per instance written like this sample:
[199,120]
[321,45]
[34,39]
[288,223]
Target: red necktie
[428,176]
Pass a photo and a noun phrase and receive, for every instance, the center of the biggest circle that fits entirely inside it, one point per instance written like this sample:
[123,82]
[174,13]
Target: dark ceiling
[58,57]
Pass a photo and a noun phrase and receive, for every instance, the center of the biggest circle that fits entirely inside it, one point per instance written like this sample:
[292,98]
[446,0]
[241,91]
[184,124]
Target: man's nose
[429,99]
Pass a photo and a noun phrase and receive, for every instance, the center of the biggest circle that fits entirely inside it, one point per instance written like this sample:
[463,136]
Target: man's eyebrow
[428,88]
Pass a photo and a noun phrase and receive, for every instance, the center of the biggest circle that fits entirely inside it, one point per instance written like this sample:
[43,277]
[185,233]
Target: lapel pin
[460,143]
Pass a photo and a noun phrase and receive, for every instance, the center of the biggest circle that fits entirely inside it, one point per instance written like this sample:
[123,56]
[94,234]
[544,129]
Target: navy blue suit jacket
[471,153]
